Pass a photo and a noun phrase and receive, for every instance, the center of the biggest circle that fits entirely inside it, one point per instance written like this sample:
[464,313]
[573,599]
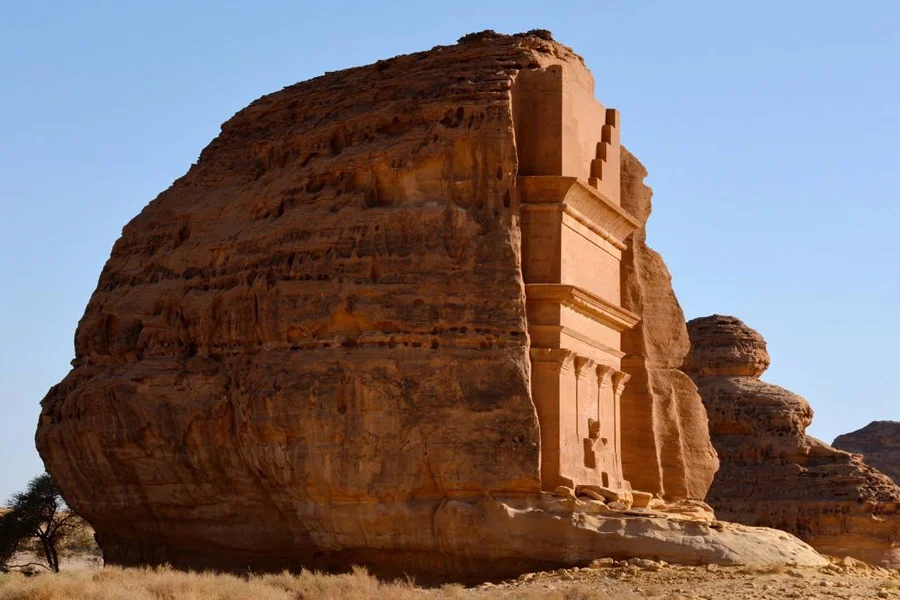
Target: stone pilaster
[553,381]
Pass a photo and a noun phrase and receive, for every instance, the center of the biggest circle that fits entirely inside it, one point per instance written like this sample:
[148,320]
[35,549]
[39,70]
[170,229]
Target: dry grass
[113,583]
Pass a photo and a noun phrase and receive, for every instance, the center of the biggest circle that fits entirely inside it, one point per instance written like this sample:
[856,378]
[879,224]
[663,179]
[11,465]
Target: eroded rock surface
[665,437]
[311,350]
[772,473]
[577,531]
[318,332]
[879,443]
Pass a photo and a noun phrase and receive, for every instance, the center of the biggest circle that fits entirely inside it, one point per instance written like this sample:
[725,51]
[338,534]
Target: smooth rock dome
[725,345]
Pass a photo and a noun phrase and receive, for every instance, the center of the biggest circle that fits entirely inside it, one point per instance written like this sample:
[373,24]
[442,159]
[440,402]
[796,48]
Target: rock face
[772,473]
[666,447]
[558,531]
[879,443]
[373,324]
[319,331]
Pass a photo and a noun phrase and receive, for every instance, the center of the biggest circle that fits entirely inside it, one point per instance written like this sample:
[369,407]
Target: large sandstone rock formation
[879,443]
[375,323]
[666,447]
[772,473]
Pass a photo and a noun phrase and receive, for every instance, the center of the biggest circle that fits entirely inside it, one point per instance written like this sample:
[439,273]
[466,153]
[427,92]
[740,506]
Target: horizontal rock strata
[879,444]
[313,350]
[665,437]
[318,333]
[772,474]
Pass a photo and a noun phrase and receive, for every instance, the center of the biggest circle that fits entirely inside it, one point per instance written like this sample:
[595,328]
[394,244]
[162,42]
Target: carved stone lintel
[602,215]
[584,302]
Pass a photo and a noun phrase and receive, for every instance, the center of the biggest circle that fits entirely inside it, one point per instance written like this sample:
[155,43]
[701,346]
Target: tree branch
[31,564]
[61,523]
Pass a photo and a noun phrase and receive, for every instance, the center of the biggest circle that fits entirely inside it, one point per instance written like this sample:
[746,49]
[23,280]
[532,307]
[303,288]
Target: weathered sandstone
[557,531]
[665,438]
[879,443]
[772,473]
[376,321]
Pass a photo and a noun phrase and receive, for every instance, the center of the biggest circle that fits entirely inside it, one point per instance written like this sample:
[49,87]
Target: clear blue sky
[771,132]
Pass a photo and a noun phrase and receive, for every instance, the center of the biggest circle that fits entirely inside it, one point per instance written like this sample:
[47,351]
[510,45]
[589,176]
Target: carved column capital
[604,374]
[561,358]
[582,365]
[619,379]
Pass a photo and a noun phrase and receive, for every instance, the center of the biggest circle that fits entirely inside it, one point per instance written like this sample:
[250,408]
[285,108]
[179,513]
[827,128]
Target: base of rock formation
[832,500]
[772,474]
[497,538]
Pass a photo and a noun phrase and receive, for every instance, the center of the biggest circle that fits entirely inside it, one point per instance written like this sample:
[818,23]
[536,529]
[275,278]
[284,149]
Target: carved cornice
[582,202]
[584,302]
[572,212]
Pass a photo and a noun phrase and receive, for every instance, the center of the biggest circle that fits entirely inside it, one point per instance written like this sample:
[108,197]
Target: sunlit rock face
[319,331]
[774,475]
[379,322]
[665,439]
[879,443]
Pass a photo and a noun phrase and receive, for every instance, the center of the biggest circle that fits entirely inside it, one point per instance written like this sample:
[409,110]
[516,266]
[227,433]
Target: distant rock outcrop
[879,443]
[772,473]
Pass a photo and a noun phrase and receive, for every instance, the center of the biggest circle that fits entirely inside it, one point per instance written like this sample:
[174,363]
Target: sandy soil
[844,578]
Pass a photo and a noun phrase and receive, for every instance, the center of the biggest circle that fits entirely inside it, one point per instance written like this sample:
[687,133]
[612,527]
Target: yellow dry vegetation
[112,583]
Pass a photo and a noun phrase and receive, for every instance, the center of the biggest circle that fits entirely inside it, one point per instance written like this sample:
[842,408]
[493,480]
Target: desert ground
[845,579]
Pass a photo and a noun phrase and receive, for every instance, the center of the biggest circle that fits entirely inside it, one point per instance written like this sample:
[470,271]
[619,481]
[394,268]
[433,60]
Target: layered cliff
[772,473]
[665,437]
[312,349]
[327,310]
[879,443]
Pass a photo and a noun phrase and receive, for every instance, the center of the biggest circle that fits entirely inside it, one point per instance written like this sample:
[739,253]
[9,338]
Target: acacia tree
[38,514]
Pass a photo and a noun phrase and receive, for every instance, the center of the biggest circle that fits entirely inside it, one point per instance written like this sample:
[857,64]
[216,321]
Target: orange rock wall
[315,348]
[665,437]
[879,443]
[319,331]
